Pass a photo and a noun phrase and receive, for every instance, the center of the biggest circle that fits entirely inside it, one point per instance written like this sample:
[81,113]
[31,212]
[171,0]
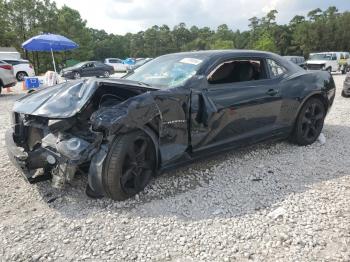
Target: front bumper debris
[59,159]
[19,158]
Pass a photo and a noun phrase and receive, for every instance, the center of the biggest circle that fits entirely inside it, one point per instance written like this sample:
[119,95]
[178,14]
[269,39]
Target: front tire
[129,165]
[106,74]
[76,75]
[309,123]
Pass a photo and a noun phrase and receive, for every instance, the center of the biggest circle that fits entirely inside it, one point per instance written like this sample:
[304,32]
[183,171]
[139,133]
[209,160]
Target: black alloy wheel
[129,166]
[310,122]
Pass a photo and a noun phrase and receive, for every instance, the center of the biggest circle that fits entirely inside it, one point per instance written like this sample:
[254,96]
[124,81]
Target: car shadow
[245,181]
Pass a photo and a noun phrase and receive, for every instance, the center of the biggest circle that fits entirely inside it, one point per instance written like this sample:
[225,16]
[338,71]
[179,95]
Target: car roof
[293,56]
[14,59]
[213,55]
[223,52]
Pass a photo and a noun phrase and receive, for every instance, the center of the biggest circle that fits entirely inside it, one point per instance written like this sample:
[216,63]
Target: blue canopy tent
[49,43]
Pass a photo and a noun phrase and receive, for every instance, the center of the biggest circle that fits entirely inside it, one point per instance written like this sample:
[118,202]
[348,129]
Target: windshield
[320,57]
[167,71]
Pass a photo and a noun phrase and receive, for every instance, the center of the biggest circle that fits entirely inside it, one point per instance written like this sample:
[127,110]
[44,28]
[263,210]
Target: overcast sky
[122,16]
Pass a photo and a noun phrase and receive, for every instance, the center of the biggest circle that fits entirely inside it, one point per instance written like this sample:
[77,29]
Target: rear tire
[309,123]
[343,94]
[129,166]
[21,75]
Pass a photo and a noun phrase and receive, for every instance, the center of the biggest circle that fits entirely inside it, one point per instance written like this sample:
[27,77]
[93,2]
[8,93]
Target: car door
[86,69]
[100,68]
[235,111]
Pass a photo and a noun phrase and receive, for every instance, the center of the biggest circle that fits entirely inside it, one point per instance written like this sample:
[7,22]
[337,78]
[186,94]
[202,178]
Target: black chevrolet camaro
[169,112]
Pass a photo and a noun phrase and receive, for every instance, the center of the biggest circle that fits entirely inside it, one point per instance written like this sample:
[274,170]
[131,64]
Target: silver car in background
[117,64]
[7,77]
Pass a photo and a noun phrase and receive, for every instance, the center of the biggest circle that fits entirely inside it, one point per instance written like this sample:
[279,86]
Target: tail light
[7,67]
[30,65]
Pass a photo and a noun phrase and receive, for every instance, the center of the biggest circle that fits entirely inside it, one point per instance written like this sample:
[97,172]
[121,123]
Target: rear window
[114,61]
[16,62]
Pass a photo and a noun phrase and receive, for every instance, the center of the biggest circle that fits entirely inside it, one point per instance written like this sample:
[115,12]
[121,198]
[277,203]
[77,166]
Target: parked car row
[127,65]
[326,61]
[329,61]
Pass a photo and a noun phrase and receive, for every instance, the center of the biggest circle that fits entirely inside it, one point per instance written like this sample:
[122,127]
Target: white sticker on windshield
[192,61]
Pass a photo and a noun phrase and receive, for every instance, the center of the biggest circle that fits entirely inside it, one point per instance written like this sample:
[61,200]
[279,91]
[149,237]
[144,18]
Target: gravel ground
[271,202]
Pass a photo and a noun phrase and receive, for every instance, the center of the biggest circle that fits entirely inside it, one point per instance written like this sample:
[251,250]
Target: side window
[240,70]
[114,61]
[11,62]
[275,69]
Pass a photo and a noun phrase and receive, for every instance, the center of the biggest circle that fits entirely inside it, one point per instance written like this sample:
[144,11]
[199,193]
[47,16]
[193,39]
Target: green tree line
[320,30]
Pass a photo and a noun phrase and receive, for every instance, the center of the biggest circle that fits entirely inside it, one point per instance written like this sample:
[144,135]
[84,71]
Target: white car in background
[328,61]
[117,64]
[7,78]
[21,68]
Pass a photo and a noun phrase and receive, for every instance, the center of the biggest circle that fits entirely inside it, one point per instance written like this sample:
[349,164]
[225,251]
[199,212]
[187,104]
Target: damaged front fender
[130,114]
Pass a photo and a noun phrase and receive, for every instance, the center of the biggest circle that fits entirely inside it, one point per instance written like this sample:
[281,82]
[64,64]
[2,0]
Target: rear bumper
[11,84]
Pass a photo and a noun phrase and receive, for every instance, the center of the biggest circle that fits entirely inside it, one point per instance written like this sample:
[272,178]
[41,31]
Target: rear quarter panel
[297,88]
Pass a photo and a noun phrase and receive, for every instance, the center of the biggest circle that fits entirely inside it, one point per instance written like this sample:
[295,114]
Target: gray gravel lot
[271,202]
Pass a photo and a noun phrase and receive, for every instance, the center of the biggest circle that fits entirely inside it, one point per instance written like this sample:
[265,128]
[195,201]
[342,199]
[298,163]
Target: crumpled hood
[316,62]
[64,100]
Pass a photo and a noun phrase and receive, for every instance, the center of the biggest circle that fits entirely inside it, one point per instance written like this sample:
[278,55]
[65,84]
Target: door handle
[272,92]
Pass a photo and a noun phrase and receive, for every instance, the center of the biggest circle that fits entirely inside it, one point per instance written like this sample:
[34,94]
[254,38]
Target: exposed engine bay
[59,147]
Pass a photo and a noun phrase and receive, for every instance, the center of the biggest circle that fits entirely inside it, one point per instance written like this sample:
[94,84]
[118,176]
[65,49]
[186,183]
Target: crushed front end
[52,135]
[50,148]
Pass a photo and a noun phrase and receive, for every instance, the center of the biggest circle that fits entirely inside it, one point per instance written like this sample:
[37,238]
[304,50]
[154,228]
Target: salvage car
[171,111]
[87,69]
